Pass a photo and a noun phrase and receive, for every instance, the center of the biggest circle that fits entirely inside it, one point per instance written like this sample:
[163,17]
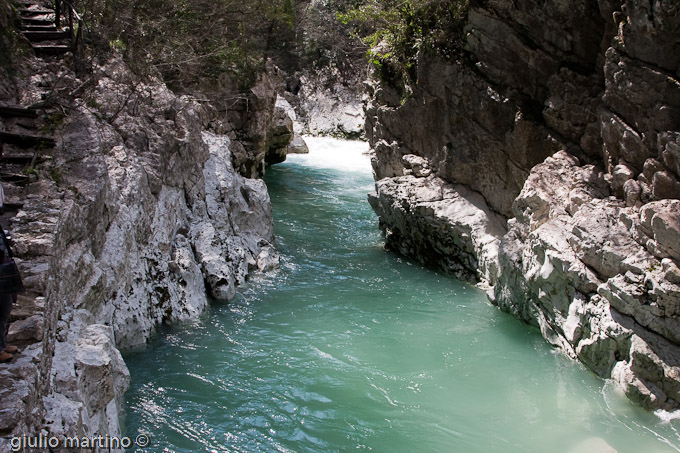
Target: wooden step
[52,49]
[14,111]
[36,21]
[35,12]
[39,36]
[50,27]
[13,206]
[26,141]
[16,178]
[17,158]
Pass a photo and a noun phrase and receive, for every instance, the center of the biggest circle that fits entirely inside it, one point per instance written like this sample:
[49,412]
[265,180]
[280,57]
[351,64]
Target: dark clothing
[5,299]
[5,310]
[4,244]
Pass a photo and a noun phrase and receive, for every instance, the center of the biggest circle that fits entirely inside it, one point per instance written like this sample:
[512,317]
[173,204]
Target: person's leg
[5,310]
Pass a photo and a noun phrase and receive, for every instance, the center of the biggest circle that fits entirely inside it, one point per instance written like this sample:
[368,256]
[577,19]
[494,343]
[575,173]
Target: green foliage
[30,171]
[92,103]
[397,30]
[188,41]
[52,122]
[118,45]
[326,41]
[57,174]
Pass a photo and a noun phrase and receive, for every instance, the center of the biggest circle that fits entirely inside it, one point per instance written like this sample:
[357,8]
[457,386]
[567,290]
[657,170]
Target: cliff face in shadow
[544,163]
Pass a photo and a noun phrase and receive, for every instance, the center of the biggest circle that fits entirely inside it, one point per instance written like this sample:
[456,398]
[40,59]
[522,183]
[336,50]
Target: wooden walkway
[52,30]
[26,141]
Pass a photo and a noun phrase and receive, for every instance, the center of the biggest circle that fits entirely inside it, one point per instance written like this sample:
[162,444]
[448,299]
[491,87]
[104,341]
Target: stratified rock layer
[564,119]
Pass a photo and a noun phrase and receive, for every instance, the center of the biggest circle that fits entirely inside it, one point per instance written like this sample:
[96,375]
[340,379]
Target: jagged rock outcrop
[137,219]
[280,137]
[297,144]
[586,273]
[564,119]
[259,130]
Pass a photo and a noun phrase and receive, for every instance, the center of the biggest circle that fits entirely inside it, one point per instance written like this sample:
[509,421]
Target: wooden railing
[64,10]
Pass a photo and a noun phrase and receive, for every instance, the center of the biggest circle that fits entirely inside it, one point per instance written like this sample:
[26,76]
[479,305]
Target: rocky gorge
[543,163]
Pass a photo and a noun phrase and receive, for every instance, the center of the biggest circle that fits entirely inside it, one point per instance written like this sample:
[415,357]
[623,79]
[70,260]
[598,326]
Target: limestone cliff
[544,163]
[136,218]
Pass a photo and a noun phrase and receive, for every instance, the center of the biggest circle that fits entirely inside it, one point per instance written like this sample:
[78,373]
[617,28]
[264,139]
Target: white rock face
[331,115]
[331,108]
[237,225]
[586,273]
[89,380]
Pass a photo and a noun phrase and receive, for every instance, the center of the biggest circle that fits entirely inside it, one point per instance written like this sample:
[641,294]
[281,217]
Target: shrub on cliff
[397,30]
[325,41]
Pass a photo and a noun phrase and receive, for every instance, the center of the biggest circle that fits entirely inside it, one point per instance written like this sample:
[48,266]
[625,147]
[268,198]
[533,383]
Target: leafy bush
[326,41]
[193,40]
[397,30]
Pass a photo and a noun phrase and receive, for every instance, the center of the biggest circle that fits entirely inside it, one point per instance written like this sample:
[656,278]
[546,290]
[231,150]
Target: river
[348,347]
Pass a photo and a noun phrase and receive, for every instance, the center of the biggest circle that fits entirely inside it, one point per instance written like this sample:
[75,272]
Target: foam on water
[331,153]
[666,416]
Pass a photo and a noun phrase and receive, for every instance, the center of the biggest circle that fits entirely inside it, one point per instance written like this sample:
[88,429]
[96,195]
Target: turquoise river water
[348,347]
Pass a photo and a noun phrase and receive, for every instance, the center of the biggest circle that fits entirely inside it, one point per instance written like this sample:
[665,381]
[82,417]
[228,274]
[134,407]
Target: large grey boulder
[440,224]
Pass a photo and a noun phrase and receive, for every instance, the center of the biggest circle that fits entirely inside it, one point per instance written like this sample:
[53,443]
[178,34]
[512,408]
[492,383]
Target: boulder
[297,146]
[30,329]
[439,224]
